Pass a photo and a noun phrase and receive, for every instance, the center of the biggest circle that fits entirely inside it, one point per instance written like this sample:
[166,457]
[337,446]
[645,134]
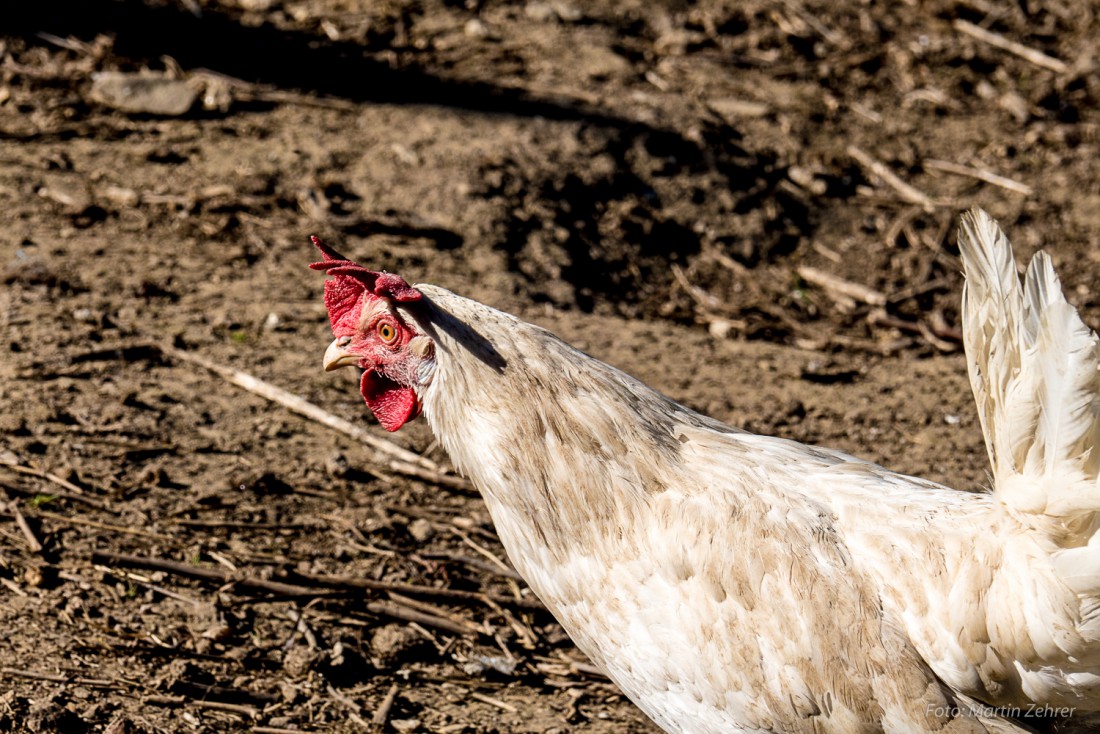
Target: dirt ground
[749,205]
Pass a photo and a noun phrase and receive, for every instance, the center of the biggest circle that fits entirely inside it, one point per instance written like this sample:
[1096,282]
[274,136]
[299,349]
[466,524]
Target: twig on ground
[456,595]
[238,525]
[60,678]
[853,344]
[943,334]
[479,564]
[902,225]
[145,583]
[705,300]
[176,568]
[563,666]
[917,290]
[354,709]
[101,525]
[303,407]
[587,669]
[303,627]
[834,37]
[836,285]
[979,173]
[61,494]
[400,611]
[33,543]
[12,587]
[68,491]
[23,469]
[389,608]
[749,279]
[444,480]
[248,712]
[433,610]
[524,632]
[482,550]
[382,713]
[402,461]
[907,192]
[930,336]
[445,520]
[228,564]
[1028,54]
[494,702]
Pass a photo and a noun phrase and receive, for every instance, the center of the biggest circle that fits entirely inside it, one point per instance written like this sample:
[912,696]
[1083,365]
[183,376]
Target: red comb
[384,285]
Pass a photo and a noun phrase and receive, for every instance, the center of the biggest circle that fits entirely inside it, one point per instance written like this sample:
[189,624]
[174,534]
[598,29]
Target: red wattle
[393,404]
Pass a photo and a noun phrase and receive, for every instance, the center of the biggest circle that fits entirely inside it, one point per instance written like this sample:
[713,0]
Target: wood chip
[1032,56]
[33,543]
[979,173]
[834,284]
[905,191]
[494,702]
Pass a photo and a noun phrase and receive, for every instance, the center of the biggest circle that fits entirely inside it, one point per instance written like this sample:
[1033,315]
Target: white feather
[1035,371]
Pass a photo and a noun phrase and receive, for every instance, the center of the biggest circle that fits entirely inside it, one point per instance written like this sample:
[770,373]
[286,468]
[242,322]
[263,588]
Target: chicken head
[369,331]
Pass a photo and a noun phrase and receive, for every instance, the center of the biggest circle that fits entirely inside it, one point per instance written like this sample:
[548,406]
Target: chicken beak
[336,357]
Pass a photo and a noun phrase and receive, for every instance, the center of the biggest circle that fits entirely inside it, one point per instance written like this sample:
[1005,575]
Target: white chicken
[729,582]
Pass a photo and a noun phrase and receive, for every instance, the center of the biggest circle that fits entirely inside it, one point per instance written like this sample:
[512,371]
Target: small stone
[985,90]
[299,660]
[806,178]
[421,530]
[33,577]
[566,11]
[1015,105]
[720,328]
[478,665]
[394,642]
[476,28]
[68,190]
[290,693]
[599,62]
[732,108]
[142,93]
[539,11]
[405,725]
[121,196]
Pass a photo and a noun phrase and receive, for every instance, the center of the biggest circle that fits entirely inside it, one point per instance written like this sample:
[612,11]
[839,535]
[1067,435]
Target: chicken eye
[387,332]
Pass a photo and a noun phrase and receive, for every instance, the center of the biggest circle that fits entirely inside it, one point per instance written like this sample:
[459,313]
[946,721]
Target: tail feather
[1035,371]
[992,303]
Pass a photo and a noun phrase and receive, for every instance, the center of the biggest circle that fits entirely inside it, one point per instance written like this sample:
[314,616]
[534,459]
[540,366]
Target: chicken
[731,582]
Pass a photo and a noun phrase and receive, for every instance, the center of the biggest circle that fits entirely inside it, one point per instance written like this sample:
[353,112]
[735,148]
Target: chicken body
[725,581]
[731,582]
